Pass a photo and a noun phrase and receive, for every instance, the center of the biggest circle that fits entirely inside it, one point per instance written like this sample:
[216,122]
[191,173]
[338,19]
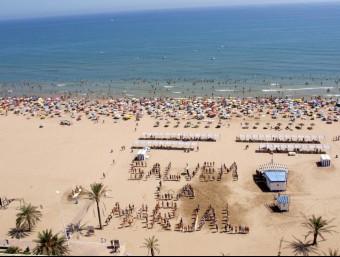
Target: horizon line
[166,9]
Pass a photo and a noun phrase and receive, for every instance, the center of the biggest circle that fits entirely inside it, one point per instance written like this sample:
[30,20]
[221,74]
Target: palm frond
[318,226]
[28,216]
[96,193]
[18,232]
[151,244]
[50,244]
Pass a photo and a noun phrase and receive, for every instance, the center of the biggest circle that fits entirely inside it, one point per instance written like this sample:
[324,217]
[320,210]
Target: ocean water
[279,49]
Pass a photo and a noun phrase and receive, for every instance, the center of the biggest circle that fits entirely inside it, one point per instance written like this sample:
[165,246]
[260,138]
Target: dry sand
[34,163]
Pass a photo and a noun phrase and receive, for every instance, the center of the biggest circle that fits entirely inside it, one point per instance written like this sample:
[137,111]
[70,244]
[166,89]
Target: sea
[238,51]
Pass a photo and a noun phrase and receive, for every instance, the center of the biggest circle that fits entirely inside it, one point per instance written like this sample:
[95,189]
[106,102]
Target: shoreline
[275,87]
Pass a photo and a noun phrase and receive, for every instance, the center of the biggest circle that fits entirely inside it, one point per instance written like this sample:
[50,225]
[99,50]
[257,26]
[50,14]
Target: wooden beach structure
[275,176]
[288,139]
[282,203]
[297,148]
[165,145]
[276,180]
[325,160]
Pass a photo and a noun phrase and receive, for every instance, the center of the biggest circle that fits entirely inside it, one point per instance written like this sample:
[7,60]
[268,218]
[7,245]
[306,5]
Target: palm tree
[152,245]
[317,227]
[50,244]
[13,250]
[28,217]
[96,193]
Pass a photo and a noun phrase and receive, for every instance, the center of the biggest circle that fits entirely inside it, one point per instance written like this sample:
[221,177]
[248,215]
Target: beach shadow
[318,164]
[18,233]
[261,183]
[300,247]
[273,208]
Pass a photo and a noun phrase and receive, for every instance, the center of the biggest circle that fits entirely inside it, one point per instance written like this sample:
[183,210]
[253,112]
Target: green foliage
[50,244]
[317,226]
[28,217]
[152,245]
[96,193]
[13,250]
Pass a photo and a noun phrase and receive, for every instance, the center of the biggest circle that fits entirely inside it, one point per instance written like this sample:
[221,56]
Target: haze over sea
[278,49]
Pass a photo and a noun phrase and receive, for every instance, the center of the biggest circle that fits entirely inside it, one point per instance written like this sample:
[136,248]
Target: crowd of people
[192,108]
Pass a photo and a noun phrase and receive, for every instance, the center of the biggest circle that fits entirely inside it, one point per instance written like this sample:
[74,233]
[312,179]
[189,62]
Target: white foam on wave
[61,85]
[177,92]
[180,98]
[168,87]
[297,89]
[225,90]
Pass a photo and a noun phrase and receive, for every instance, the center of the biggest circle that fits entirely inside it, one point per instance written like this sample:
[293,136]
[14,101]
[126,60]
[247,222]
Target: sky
[18,9]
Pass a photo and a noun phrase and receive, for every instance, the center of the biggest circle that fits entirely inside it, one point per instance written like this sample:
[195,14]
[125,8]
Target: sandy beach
[36,162]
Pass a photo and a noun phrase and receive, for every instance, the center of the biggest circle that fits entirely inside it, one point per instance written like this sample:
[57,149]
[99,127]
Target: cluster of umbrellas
[180,136]
[199,108]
